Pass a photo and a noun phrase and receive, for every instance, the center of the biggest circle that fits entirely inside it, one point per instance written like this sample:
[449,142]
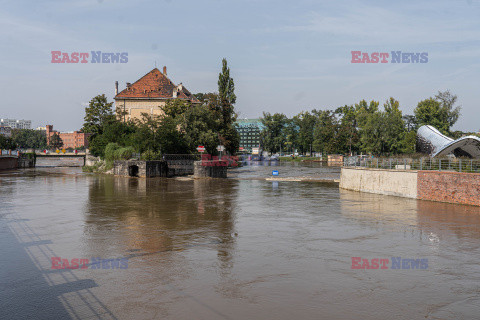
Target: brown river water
[239,248]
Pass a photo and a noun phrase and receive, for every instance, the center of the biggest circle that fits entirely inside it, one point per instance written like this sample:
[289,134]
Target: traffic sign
[220,148]
[201,149]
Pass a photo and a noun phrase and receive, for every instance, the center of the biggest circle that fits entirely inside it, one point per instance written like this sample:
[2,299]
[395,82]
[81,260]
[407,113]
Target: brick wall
[453,187]
[70,139]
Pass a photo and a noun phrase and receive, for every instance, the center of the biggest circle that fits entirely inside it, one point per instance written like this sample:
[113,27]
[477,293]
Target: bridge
[13,159]
[61,160]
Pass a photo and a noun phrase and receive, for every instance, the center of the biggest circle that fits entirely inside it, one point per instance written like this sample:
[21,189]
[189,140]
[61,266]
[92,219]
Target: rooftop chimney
[129,85]
[165,70]
[116,87]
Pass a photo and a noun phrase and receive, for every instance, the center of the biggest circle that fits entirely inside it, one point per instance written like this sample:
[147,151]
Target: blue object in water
[274,173]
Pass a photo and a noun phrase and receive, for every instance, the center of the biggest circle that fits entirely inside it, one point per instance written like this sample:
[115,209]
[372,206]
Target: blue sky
[285,56]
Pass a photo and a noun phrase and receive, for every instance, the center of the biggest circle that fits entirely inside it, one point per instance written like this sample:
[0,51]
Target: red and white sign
[201,149]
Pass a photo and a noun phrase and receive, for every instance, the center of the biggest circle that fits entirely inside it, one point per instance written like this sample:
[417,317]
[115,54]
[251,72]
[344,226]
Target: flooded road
[229,249]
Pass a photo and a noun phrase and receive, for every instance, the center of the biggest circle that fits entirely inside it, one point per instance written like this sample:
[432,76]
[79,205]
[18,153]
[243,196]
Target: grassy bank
[100,166]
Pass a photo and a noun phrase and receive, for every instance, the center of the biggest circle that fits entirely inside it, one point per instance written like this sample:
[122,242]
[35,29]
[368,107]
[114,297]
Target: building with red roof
[148,95]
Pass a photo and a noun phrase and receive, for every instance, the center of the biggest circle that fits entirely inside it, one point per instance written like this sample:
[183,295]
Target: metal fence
[191,157]
[8,152]
[446,164]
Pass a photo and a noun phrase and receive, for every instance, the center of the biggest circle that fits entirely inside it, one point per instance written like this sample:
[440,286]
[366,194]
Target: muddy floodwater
[240,248]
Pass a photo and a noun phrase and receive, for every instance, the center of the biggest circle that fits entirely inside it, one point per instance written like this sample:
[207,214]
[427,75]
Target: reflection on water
[159,215]
[251,249]
[428,216]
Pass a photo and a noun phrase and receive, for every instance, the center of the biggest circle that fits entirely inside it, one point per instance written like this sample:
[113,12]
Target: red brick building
[72,140]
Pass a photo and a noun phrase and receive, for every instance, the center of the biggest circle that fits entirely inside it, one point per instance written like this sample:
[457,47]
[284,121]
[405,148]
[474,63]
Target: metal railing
[8,152]
[172,157]
[445,164]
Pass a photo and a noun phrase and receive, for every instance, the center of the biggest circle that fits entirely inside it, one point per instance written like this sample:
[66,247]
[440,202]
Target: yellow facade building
[148,95]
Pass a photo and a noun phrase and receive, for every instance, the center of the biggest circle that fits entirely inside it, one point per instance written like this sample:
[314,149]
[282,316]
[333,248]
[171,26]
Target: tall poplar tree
[226,91]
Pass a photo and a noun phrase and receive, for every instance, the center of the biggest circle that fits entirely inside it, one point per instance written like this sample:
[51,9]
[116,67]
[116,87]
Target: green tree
[226,87]
[290,132]
[364,107]
[305,122]
[175,108]
[28,138]
[147,134]
[172,140]
[409,142]
[439,112]
[369,122]
[198,124]
[447,104]
[325,132]
[159,134]
[113,131]
[348,137]
[273,135]
[203,97]
[98,113]
[224,106]
[381,132]
[429,112]
[55,141]
[372,133]
[7,143]
[394,127]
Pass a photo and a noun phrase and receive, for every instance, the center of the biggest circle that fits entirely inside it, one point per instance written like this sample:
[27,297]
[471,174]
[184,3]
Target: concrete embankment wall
[400,183]
[442,186]
[8,163]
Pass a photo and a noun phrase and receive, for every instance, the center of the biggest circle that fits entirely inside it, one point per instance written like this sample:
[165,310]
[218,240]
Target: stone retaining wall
[26,162]
[442,186]
[139,168]
[182,167]
[202,171]
[8,163]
